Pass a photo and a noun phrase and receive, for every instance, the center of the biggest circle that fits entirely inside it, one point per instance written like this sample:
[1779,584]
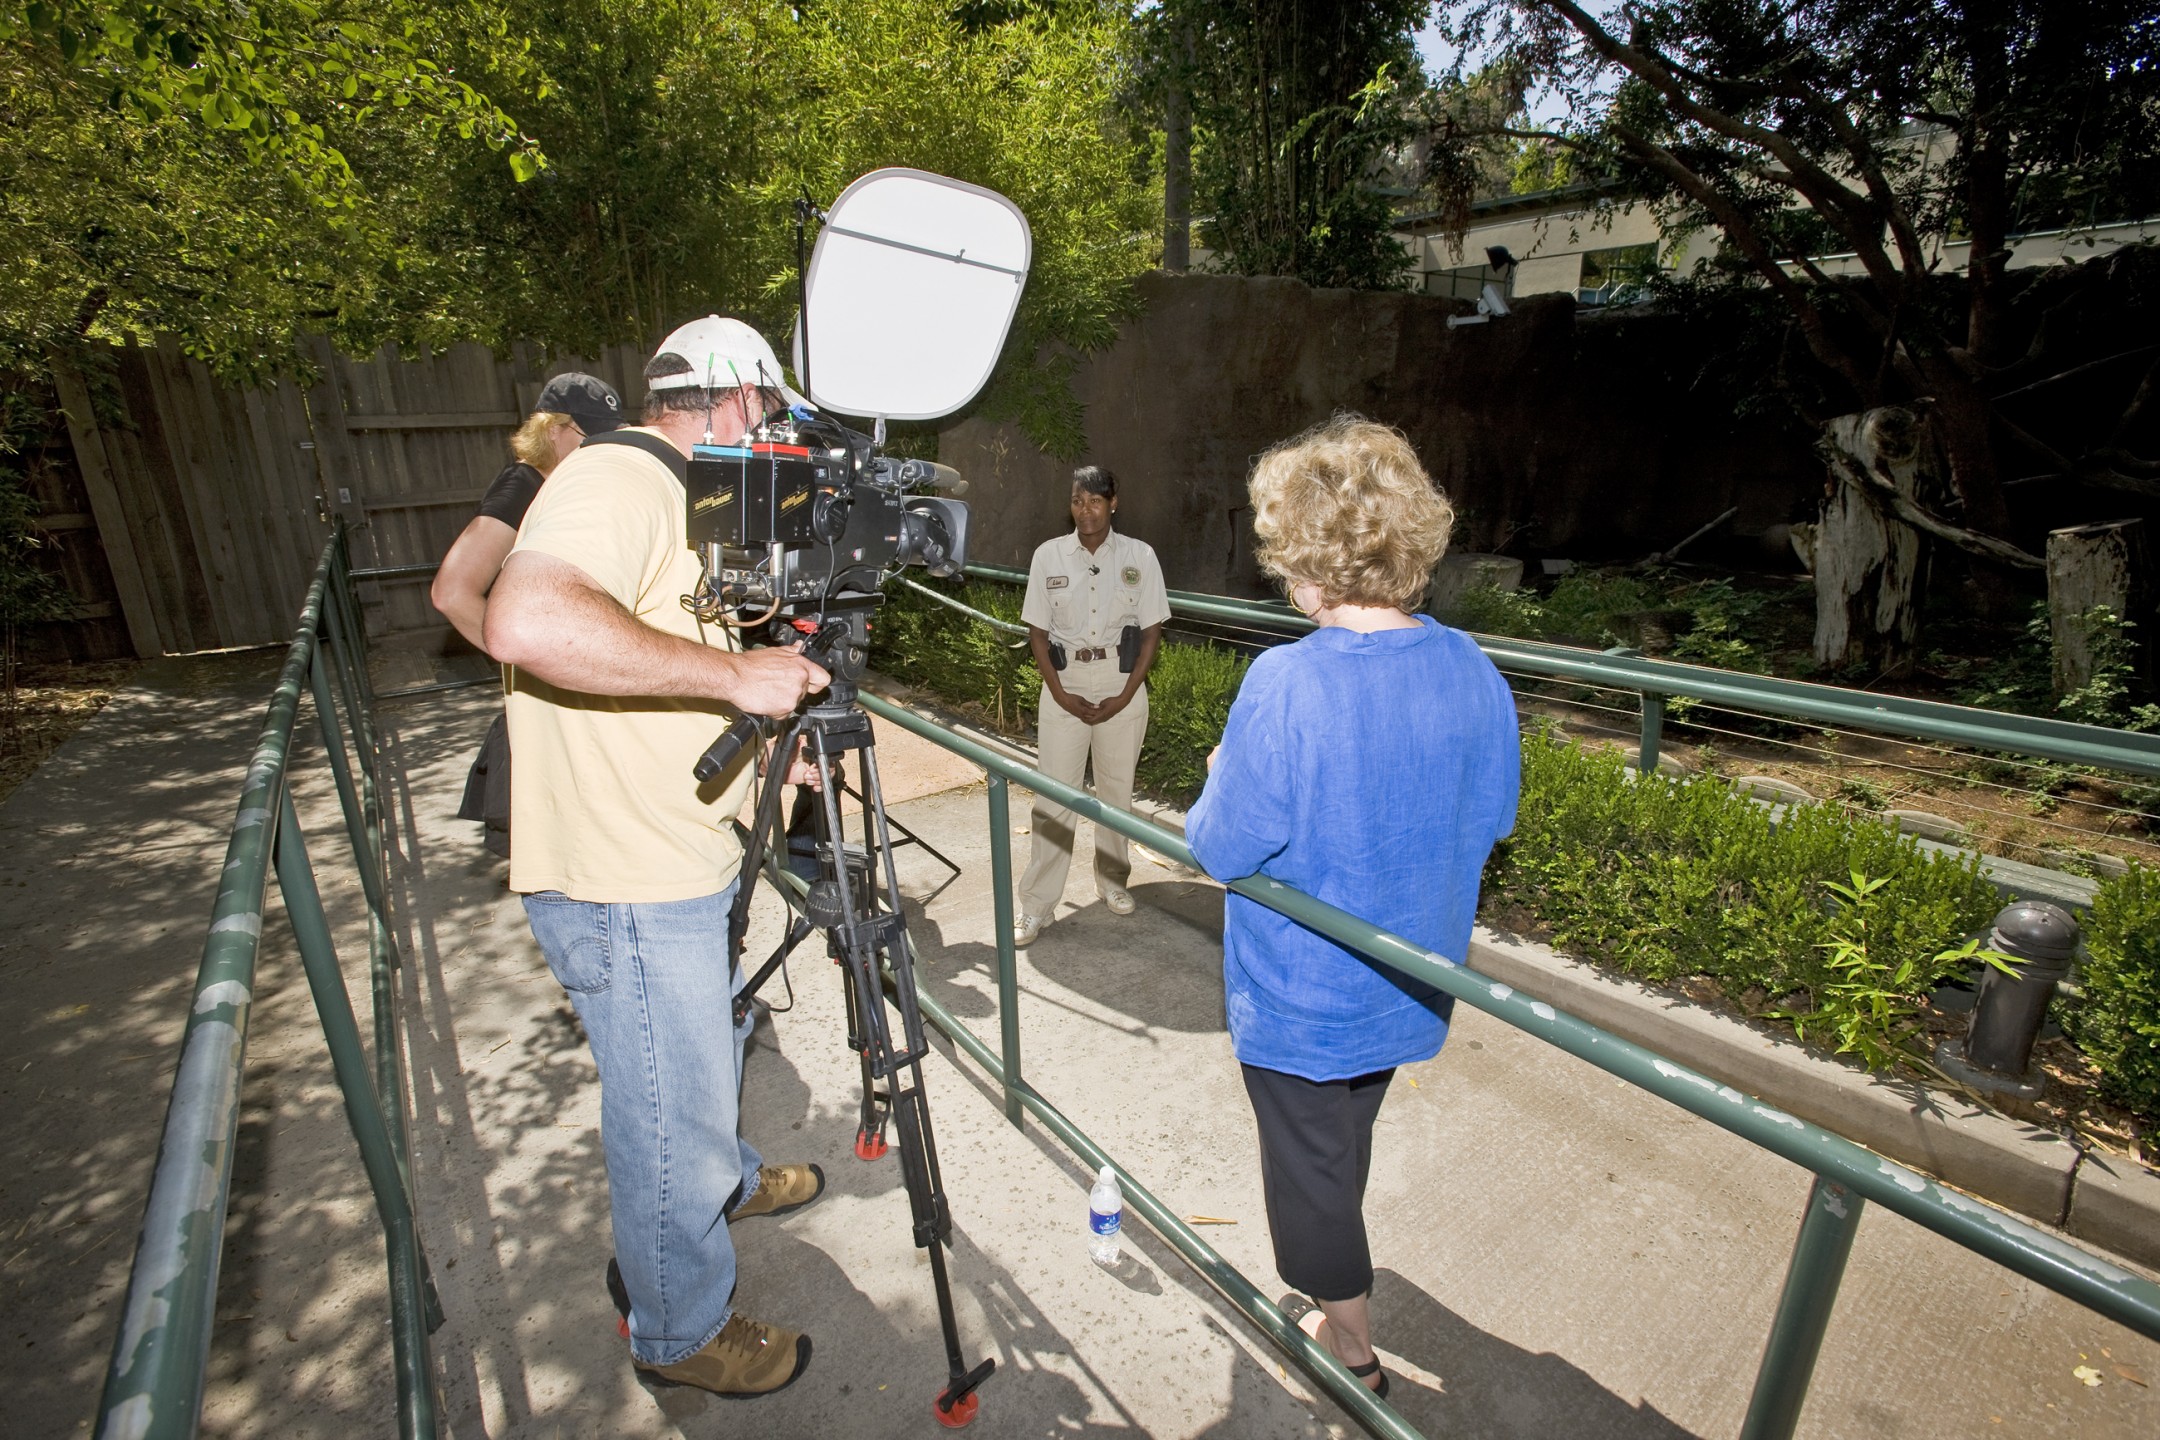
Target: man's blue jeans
[652,986]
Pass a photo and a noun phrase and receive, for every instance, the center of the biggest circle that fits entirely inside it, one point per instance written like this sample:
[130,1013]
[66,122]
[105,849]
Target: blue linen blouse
[1374,772]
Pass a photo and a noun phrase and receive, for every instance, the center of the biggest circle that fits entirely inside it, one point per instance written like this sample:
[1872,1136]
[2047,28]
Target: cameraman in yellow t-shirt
[629,866]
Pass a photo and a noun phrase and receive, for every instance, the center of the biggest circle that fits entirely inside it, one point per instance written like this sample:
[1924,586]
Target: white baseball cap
[721,354]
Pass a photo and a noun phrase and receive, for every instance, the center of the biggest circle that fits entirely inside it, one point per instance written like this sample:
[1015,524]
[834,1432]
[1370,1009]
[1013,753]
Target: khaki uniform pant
[1066,744]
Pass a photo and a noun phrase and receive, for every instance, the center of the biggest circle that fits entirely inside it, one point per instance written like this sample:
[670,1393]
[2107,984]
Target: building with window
[1563,242]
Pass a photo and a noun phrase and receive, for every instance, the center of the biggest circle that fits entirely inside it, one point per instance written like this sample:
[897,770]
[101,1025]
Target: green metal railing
[154,1386]
[1657,681]
[1846,1176]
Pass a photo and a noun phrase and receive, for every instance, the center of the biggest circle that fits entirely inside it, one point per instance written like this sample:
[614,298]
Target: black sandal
[1297,1308]
[1371,1367]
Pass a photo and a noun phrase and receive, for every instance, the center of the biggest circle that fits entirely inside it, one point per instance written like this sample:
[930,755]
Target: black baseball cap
[587,399]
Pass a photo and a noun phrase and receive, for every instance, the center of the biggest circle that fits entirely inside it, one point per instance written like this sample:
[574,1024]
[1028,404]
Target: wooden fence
[211,502]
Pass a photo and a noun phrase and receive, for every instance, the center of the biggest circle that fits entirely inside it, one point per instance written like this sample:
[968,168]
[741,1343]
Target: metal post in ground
[333,738]
[1803,1313]
[1653,730]
[1001,915]
[412,1299]
[1995,1057]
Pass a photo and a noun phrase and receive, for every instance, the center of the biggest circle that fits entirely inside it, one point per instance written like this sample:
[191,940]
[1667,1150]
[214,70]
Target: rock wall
[1555,433]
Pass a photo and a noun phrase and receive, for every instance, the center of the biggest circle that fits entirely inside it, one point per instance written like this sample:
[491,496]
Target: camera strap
[678,464]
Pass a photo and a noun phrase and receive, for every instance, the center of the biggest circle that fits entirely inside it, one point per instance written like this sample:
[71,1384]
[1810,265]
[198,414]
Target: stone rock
[1769,787]
[1933,827]
[1458,572]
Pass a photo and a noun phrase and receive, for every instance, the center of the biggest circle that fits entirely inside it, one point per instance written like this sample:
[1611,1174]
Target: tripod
[856,901]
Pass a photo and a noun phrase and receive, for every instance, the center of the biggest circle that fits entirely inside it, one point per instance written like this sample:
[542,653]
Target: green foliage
[29,592]
[916,639]
[680,137]
[2105,698]
[1652,876]
[2018,677]
[1189,695]
[234,176]
[1665,878]
[229,175]
[263,73]
[1539,166]
[2118,1024]
[2021,677]
[1781,133]
[1869,1005]
[1718,623]
[1489,610]
[1294,105]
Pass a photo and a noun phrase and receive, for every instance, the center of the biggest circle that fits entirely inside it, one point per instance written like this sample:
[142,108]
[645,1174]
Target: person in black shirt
[570,408]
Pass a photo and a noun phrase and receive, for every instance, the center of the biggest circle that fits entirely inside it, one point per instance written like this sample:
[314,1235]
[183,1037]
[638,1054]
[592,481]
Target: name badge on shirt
[1132,574]
[1056,582]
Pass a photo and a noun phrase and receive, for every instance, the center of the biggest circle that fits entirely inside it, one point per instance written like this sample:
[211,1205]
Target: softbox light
[909,295]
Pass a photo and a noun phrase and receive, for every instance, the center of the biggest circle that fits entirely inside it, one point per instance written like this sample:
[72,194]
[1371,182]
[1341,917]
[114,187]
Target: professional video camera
[805,512]
[910,292]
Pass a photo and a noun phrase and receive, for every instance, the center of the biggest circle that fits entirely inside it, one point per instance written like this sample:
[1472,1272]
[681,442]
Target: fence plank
[207,497]
[113,529]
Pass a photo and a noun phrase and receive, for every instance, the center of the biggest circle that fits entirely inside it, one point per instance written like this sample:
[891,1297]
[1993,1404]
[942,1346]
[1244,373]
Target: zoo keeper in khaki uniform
[1095,609]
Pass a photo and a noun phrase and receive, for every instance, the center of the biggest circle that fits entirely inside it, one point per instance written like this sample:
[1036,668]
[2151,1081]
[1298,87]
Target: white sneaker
[1119,899]
[1030,926]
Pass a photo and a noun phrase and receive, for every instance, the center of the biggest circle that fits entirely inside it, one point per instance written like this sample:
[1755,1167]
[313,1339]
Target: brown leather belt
[1097,653]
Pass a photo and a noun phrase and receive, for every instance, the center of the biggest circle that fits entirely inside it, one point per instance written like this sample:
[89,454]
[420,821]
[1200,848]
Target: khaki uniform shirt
[603,805]
[1083,599]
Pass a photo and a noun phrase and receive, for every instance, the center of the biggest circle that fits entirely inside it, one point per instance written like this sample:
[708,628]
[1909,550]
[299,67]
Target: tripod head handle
[722,752]
[830,649]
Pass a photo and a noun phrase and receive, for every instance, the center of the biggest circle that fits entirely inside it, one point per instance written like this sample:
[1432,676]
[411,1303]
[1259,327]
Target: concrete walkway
[1559,1255]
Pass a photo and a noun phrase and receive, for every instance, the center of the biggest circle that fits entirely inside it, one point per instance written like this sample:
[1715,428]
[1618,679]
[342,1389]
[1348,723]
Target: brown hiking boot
[744,1360]
[781,1190]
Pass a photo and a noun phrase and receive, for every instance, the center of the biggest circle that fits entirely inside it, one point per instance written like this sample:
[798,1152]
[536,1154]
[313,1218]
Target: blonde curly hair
[1347,507]
[534,442]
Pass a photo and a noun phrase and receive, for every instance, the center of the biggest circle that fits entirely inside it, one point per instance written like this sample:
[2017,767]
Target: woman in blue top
[1371,764]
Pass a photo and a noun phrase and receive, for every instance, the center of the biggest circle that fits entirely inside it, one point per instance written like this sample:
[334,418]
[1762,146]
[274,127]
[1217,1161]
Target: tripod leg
[958,1403]
[871,942]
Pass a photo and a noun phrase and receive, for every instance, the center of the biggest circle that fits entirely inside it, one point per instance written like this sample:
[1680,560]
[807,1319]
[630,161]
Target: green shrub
[1870,1006]
[1489,610]
[2118,1025]
[914,638]
[1189,695]
[1664,878]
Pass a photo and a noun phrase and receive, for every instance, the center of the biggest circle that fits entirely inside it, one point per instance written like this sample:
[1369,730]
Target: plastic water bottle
[1106,1213]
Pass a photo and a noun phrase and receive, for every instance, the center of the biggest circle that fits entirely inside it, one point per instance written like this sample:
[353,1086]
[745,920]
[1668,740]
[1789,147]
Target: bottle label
[1103,1224]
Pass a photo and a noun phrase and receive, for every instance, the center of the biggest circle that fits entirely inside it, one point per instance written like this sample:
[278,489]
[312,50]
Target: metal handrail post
[358,696]
[1653,731]
[364,1110]
[341,577]
[1001,909]
[333,739]
[384,960]
[1827,1228]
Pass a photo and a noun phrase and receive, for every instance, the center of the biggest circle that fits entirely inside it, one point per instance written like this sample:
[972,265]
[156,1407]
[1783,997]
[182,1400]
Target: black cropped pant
[1315,1152]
